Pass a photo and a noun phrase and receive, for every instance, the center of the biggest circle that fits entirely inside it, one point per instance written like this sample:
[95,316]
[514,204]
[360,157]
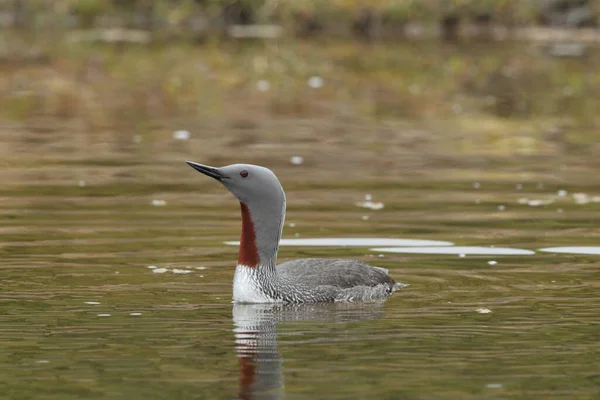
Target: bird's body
[258,279]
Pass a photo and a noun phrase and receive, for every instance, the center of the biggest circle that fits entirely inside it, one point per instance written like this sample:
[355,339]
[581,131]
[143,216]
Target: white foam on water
[456,250]
[357,242]
[573,250]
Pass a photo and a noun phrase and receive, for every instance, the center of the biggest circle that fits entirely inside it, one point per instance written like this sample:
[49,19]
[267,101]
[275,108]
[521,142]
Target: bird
[258,278]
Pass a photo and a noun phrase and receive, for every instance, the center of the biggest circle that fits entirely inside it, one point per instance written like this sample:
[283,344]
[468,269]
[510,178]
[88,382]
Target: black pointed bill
[208,171]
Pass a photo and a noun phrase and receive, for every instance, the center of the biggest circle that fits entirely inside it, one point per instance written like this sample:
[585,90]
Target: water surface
[82,315]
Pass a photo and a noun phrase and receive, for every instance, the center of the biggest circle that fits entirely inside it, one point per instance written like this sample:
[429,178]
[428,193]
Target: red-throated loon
[258,278]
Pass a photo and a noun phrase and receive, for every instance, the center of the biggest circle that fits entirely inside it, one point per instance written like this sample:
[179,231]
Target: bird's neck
[259,240]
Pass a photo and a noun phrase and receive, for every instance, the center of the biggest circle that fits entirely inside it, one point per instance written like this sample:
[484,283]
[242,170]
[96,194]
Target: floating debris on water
[135,314]
[187,270]
[519,186]
[562,193]
[476,185]
[263,85]
[103,315]
[42,362]
[181,134]
[483,310]
[559,210]
[494,385]
[180,271]
[583,198]
[535,202]
[297,160]
[315,82]
[159,203]
[137,139]
[462,255]
[501,207]
[81,183]
[492,262]
[292,225]
[371,205]
[151,267]
[365,217]
[91,302]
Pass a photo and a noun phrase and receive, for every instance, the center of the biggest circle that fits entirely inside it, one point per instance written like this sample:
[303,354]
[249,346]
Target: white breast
[247,286]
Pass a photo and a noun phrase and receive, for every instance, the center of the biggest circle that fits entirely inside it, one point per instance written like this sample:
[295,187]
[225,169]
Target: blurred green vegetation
[107,86]
[174,11]
[478,84]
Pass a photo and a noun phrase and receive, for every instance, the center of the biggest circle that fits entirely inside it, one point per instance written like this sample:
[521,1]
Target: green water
[66,242]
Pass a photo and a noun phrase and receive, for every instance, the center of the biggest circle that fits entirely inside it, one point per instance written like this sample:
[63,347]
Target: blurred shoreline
[427,101]
[374,20]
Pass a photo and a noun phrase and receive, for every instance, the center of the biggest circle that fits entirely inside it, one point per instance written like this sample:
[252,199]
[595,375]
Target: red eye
[244,173]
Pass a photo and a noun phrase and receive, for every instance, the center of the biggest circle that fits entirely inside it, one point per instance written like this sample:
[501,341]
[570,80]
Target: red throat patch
[248,255]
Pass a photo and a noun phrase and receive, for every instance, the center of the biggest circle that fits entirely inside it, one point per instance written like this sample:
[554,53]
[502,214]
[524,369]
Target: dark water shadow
[261,365]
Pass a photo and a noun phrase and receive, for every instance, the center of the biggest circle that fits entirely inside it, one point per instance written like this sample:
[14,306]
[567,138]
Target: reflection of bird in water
[258,278]
[261,374]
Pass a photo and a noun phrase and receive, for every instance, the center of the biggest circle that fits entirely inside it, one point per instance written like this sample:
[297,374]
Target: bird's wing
[333,272]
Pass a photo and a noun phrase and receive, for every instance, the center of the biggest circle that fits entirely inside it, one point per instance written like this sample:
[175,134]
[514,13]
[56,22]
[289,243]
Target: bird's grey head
[251,184]
[262,201]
